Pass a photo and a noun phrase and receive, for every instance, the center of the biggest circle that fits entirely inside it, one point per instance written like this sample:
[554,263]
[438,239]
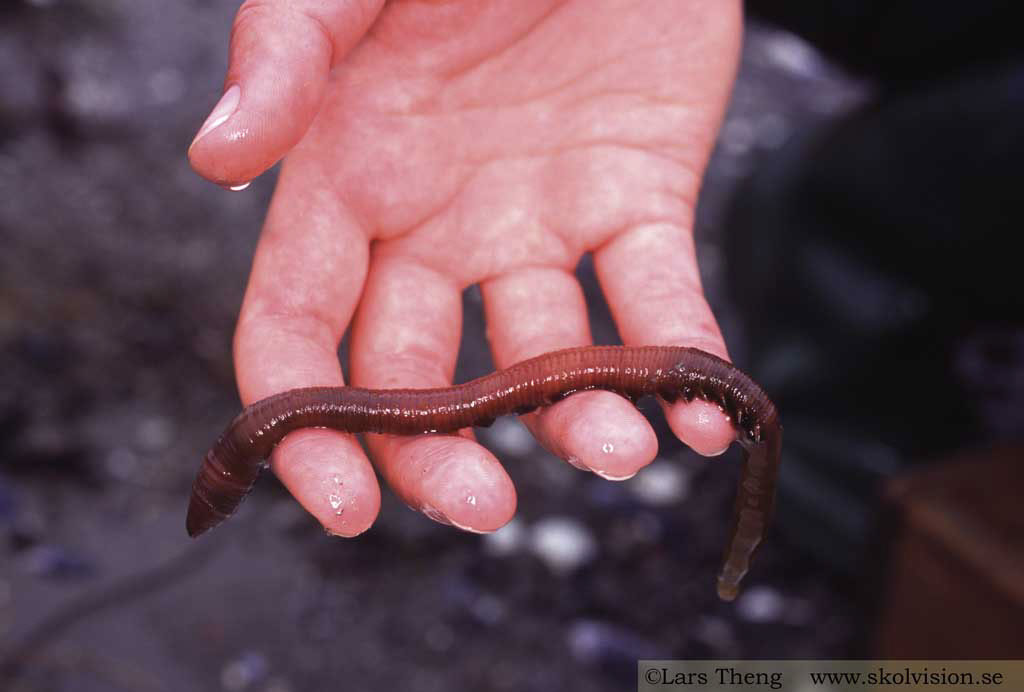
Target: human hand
[434,145]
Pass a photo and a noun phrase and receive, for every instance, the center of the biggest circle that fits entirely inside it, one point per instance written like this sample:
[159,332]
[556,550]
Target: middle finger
[406,334]
[537,309]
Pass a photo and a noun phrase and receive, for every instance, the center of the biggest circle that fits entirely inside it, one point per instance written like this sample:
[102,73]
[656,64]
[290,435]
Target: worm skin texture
[669,372]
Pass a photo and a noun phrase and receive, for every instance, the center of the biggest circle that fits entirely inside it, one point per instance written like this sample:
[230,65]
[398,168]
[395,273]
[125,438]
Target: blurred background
[855,236]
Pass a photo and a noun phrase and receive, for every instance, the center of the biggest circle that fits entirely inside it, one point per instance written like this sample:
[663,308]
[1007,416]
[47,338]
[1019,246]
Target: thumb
[281,55]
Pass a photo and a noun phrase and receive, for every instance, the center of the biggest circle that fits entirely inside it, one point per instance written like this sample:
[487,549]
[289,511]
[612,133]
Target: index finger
[306,279]
[650,278]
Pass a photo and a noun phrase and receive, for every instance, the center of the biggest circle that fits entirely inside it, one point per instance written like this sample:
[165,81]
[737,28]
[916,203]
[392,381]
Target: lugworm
[230,468]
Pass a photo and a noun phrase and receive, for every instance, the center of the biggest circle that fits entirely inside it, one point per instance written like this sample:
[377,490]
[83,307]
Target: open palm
[436,145]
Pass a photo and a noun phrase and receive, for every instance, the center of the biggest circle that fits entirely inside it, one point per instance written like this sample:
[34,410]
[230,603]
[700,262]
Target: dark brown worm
[232,465]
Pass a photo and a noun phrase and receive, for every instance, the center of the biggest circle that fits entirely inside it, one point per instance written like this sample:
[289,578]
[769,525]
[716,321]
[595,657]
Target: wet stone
[564,544]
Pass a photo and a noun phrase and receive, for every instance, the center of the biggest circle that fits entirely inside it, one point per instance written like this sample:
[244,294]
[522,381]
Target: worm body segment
[230,468]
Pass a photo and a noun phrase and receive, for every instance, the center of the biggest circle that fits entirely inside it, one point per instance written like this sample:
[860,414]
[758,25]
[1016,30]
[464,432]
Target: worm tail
[755,498]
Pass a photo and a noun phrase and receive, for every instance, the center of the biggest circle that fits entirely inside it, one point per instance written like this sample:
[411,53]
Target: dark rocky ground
[120,276]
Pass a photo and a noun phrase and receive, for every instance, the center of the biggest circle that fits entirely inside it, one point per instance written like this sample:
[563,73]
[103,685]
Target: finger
[281,55]
[649,276]
[535,310]
[302,291]
[406,334]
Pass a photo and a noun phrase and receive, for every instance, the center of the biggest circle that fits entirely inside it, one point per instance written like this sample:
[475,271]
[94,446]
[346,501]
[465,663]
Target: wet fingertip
[220,151]
[479,505]
[616,457]
[620,452]
[238,150]
[452,481]
[329,477]
[702,426]
[481,510]
[602,433]
[348,513]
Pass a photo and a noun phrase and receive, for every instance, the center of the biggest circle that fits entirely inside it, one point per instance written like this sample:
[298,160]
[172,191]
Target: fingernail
[575,461]
[436,514]
[470,529]
[224,109]
[718,452]
[609,477]
[339,533]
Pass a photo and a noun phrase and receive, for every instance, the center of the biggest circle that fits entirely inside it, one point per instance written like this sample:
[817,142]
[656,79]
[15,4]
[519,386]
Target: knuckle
[254,16]
[251,12]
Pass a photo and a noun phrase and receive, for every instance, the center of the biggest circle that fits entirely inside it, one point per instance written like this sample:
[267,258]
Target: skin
[435,145]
